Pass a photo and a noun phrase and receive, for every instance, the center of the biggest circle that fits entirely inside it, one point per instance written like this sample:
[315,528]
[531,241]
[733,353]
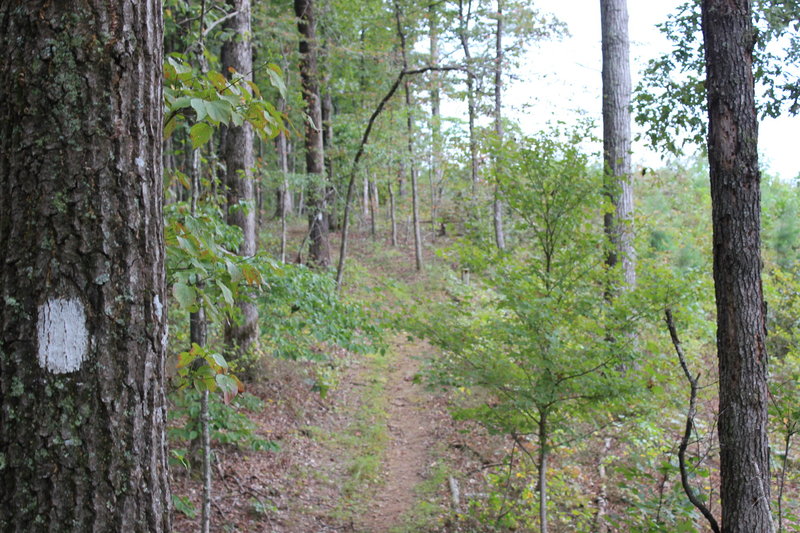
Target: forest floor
[374,455]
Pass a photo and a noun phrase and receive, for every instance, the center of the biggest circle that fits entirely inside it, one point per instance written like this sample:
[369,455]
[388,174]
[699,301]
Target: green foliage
[214,100]
[205,370]
[229,423]
[301,311]
[183,505]
[670,100]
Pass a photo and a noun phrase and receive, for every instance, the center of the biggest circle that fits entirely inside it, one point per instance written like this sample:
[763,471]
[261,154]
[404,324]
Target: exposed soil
[307,486]
[412,434]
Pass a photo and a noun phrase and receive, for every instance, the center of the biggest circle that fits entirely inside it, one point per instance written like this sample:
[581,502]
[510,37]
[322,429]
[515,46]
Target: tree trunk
[373,207]
[463,30]
[82,312]
[543,455]
[437,169]
[410,132]
[499,233]
[392,214]
[735,198]
[239,161]
[285,195]
[319,249]
[617,136]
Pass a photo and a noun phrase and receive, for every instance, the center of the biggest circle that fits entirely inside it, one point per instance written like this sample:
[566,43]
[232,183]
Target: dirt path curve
[411,432]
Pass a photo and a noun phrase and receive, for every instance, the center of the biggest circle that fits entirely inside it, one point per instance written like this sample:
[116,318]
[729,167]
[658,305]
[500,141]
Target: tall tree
[437,169]
[464,20]
[499,233]
[617,135]
[237,56]
[82,316]
[410,131]
[736,216]
[319,251]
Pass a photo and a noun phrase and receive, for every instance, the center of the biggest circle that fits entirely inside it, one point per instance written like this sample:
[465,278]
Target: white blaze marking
[63,338]
[157,304]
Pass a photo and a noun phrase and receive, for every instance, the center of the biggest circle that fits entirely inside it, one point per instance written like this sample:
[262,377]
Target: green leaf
[233,271]
[186,295]
[227,295]
[218,80]
[219,110]
[276,78]
[219,360]
[200,134]
[228,386]
[199,106]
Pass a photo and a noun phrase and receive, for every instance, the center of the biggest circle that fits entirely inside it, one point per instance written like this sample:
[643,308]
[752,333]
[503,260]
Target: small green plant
[182,504]
[229,423]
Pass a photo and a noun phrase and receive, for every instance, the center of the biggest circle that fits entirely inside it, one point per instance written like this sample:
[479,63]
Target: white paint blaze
[63,338]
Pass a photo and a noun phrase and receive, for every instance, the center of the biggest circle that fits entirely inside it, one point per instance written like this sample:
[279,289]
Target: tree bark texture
[239,162]
[735,197]
[617,135]
[82,312]
[319,250]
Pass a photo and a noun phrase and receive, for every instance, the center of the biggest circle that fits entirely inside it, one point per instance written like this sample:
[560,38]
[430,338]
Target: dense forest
[302,267]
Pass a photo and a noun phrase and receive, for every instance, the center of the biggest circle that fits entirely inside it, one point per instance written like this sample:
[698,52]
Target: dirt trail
[412,433]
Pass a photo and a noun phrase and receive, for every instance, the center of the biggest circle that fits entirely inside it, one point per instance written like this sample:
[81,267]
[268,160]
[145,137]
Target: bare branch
[673,333]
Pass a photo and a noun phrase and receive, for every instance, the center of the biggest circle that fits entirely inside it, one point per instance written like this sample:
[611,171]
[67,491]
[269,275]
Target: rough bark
[237,151]
[497,204]
[82,312]
[735,197]
[319,249]
[617,136]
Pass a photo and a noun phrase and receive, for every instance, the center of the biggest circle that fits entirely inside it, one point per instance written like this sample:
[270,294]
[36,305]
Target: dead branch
[673,333]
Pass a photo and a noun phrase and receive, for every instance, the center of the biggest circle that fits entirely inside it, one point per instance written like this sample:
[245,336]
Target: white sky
[561,80]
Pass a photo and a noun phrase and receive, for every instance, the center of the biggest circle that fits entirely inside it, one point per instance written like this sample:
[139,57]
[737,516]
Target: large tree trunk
[617,136]
[319,250]
[239,161]
[735,198]
[82,312]
[499,232]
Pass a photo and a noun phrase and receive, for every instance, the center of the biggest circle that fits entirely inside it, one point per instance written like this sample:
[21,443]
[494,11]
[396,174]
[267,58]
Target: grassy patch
[364,440]
[428,512]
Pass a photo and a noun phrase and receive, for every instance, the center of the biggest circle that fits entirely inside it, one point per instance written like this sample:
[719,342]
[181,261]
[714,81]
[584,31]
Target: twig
[673,333]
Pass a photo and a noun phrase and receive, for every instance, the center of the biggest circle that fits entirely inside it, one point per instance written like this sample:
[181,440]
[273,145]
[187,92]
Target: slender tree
[617,135]
[82,312]
[410,132]
[319,251]
[729,39]
[499,232]
[464,20]
[237,151]
[437,169]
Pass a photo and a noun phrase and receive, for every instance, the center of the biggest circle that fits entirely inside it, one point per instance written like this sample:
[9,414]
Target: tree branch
[360,152]
[689,424]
